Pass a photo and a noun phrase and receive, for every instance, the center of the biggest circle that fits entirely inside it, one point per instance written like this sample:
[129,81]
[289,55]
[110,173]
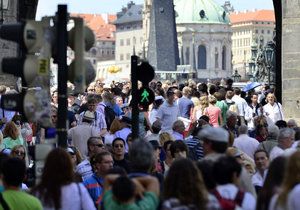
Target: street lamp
[269,55]
[236,77]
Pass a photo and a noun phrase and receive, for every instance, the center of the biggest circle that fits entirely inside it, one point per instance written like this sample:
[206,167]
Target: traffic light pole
[134,92]
[62,41]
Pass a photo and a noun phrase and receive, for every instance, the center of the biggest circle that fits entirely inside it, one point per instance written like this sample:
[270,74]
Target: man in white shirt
[261,159]
[285,141]
[168,112]
[245,143]
[253,110]
[241,105]
[227,173]
[82,132]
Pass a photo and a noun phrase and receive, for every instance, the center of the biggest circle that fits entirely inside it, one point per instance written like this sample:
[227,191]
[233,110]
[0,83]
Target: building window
[224,58]
[112,52]
[128,27]
[121,57]
[187,56]
[201,57]
[128,56]
[107,52]
[216,58]
[256,31]
[121,42]
[269,32]
[262,31]
[127,42]
[134,40]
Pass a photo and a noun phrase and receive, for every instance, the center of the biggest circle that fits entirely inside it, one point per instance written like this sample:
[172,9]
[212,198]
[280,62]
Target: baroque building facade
[204,37]
[250,29]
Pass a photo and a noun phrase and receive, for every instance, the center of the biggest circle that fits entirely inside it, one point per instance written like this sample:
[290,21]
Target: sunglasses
[19,153]
[98,145]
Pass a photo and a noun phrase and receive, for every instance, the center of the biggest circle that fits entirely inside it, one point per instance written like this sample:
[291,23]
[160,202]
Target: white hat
[88,115]
[214,134]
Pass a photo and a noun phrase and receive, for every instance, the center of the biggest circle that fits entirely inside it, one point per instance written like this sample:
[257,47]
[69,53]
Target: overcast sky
[48,7]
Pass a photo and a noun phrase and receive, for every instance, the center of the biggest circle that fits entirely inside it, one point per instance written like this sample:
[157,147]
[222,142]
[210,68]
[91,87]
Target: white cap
[214,134]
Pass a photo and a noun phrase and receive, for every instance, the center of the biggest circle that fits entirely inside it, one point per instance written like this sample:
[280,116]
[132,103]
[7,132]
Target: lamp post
[269,55]
[236,77]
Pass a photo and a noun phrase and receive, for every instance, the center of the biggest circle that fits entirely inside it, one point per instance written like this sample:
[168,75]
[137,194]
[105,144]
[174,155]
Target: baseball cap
[214,134]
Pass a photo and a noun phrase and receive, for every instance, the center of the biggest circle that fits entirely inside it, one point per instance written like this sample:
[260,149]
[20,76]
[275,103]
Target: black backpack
[109,115]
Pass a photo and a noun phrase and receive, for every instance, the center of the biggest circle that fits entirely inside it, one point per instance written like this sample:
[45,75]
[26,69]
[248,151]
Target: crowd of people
[200,146]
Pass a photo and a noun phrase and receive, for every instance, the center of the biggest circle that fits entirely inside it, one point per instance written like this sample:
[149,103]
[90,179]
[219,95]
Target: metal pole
[62,40]
[269,76]
[134,100]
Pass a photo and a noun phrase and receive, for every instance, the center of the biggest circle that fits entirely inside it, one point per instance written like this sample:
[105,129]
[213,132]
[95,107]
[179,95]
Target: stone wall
[8,49]
[291,58]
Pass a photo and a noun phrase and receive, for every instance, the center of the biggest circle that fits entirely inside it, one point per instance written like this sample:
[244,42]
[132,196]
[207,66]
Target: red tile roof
[101,24]
[249,16]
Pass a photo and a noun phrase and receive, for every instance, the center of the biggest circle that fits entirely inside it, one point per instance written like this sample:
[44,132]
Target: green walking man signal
[145,96]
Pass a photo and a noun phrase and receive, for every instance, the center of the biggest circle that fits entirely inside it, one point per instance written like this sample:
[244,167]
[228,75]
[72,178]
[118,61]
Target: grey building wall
[291,58]
[163,46]
[8,49]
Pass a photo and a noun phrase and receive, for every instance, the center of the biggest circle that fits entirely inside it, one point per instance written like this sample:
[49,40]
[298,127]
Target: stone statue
[261,73]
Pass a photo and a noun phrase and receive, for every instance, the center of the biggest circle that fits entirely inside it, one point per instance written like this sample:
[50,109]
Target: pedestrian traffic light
[145,73]
[32,65]
[81,71]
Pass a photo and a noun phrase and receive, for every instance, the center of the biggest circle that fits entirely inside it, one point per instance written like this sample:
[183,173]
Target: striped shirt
[195,148]
[94,185]
[99,121]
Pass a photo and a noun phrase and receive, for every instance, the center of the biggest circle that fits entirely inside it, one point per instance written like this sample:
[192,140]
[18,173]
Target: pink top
[213,113]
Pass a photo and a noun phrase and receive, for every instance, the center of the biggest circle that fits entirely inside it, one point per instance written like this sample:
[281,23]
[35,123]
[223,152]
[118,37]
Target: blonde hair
[203,103]
[164,137]
[11,130]
[212,99]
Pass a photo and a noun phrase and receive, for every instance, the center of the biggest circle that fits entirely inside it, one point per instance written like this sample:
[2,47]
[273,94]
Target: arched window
[201,57]
[187,56]
[224,58]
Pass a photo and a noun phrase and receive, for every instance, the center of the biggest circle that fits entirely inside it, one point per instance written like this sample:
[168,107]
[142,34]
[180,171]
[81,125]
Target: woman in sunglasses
[18,152]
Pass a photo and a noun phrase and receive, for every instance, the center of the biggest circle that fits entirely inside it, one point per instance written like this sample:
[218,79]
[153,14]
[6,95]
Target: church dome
[200,11]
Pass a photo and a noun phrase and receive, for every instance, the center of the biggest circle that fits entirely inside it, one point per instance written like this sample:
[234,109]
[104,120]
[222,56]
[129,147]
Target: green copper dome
[200,11]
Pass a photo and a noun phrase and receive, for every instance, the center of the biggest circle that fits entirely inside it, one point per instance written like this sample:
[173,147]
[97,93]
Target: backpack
[232,107]
[228,204]
[109,115]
